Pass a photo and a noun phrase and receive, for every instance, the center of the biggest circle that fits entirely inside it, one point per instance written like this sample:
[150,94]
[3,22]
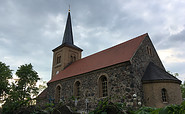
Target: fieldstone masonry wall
[140,61]
[120,86]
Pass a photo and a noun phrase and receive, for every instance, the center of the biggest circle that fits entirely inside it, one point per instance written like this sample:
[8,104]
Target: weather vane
[69,8]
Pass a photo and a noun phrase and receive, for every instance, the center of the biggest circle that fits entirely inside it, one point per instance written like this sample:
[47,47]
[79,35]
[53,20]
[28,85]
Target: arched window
[77,89]
[164,95]
[58,93]
[103,92]
[73,58]
[149,51]
[58,59]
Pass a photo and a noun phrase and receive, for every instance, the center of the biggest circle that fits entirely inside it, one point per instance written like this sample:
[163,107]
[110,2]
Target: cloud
[29,30]
[176,40]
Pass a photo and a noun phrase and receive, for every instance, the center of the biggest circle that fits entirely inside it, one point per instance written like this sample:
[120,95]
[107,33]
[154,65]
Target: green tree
[42,85]
[182,85]
[5,74]
[173,74]
[183,90]
[26,85]
[23,91]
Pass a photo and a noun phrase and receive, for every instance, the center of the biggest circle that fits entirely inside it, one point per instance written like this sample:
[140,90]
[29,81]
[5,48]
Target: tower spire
[68,34]
[67,52]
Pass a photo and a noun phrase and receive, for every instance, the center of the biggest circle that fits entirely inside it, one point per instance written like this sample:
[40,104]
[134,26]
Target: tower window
[73,58]
[164,95]
[103,92]
[77,89]
[58,59]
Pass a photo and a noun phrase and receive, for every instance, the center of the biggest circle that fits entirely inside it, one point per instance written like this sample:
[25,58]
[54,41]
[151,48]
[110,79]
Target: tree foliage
[105,108]
[173,74]
[170,109]
[22,91]
[183,90]
[42,85]
[26,85]
[5,74]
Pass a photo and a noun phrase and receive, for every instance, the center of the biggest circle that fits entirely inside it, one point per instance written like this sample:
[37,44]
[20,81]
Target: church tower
[67,52]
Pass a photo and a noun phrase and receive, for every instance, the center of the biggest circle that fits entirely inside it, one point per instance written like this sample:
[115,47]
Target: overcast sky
[30,29]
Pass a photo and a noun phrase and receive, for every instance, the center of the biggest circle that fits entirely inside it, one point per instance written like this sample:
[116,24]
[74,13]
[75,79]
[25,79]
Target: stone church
[130,72]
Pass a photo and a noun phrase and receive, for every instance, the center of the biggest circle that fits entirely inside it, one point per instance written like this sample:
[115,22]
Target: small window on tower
[58,59]
[73,58]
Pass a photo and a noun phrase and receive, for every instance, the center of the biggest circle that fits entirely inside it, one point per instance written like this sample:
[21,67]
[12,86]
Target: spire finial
[68,34]
[69,8]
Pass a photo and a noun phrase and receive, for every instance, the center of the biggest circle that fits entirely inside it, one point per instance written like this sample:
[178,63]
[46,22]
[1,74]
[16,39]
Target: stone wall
[120,86]
[140,61]
[153,95]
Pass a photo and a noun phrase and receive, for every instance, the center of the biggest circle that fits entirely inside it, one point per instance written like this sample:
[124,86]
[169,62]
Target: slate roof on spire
[68,35]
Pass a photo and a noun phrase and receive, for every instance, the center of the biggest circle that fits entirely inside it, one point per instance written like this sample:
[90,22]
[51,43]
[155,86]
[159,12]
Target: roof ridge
[115,46]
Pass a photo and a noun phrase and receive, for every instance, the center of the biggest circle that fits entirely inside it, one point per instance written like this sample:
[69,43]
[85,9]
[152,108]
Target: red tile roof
[117,54]
[43,94]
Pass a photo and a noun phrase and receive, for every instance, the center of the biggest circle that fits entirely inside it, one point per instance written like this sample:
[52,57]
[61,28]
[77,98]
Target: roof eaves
[68,45]
[87,72]
[43,94]
[161,81]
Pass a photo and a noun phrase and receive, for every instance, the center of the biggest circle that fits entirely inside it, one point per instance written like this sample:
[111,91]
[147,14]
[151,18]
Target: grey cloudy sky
[30,29]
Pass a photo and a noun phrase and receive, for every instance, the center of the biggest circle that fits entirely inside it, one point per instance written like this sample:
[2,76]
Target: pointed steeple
[66,53]
[68,34]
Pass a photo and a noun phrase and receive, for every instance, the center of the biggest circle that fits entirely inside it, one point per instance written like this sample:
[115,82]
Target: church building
[130,72]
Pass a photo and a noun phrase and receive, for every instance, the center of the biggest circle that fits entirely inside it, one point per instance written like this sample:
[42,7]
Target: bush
[107,107]
[171,109]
